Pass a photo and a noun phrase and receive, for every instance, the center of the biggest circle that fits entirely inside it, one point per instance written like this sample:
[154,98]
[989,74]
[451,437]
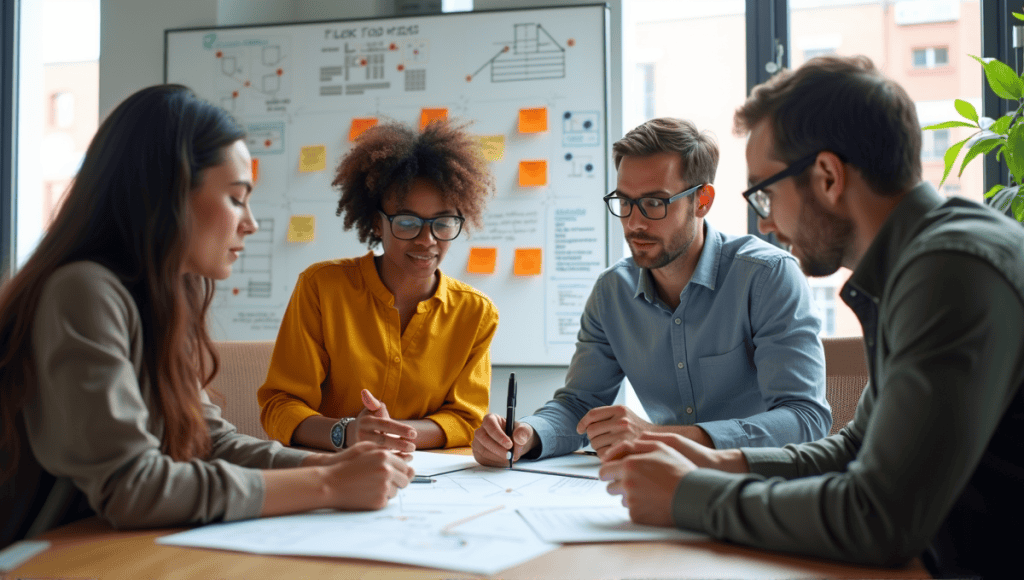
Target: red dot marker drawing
[504,49]
[280,72]
[469,78]
[571,42]
[234,95]
[417,51]
[401,67]
[235,291]
[247,83]
[267,143]
[362,62]
[219,54]
[393,46]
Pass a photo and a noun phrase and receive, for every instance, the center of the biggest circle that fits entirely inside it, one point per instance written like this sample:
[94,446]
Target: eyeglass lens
[651,207]
[407,227]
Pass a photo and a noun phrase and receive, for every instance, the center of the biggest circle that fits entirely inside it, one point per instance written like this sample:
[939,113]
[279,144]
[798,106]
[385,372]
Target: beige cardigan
[92,422]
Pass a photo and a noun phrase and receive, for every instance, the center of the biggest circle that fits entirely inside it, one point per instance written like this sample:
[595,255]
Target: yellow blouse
[341,333]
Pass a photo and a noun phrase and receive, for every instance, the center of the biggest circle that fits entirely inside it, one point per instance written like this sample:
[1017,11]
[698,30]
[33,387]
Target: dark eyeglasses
[406,226]
[652,208]
[759,200]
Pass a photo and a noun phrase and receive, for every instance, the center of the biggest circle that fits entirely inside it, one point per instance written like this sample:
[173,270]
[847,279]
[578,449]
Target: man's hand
[605,426]
[645,473]
[373,424]
[731,460]
[491,445]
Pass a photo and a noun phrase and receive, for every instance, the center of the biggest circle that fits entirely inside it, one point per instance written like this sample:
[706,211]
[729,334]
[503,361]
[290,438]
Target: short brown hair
[843,105]
[697,149]
[387,159]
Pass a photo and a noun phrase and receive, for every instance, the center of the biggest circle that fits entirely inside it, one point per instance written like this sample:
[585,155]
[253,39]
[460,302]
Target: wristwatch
[338,432]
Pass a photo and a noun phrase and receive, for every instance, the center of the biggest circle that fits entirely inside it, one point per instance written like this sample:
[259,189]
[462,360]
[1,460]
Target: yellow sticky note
[428,115]
[533,173]
[302,228]
[255,170]
[533,120]
[481,260]
[493,147]
[528,261]
[359,126]
[313,158]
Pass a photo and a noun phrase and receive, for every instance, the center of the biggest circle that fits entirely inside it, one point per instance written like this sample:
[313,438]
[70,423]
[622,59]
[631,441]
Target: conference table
[92,549]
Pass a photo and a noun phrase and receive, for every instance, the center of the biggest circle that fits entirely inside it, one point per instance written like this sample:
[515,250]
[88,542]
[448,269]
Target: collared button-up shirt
[740,356]
[341,333]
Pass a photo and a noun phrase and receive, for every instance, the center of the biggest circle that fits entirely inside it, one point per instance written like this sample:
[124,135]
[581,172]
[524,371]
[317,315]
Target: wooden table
[92,549]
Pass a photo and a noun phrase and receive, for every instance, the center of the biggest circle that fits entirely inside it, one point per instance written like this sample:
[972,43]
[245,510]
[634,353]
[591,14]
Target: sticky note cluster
[483,260]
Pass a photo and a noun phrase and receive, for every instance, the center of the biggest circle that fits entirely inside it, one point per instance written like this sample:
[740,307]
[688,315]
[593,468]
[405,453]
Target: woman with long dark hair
[104,351]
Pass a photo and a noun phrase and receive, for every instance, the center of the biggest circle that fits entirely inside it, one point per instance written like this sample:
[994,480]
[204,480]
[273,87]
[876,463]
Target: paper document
[429,463]
[596,524]
[572,465]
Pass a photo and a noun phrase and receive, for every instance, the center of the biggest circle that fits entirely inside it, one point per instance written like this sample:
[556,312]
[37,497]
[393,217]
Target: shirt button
[397,359]
[853,293]
[679,321]
[689,410]
[680,365]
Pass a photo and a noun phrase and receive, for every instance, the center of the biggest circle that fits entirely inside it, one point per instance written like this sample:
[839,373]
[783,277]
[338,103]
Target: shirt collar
[376,286]
[898,230]
[705,274]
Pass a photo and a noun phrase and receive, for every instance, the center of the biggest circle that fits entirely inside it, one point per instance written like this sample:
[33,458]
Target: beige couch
[243,368]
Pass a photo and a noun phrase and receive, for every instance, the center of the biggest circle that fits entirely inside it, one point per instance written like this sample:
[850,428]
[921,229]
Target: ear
[705,198]
[828,180]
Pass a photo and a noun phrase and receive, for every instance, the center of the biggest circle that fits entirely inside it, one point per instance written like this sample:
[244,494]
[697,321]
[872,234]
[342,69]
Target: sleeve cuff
[553,443]
[770,462]
[694,493]
[456,430]
[726,434]
[287,420]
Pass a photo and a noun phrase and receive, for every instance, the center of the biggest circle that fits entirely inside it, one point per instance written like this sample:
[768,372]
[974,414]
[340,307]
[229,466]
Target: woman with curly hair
[385,348]
[105,355]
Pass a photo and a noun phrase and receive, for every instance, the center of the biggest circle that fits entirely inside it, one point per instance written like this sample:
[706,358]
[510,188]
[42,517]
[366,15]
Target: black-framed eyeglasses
[407,226]
[652,208]
[759,200]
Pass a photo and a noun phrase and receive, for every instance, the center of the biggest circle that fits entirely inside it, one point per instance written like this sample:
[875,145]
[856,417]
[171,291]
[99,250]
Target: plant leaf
[1003,80]
[1018,15]
[948,125]
[967,110]
[980,147]
[983,61]
[1018,207]
[1014,153]
[1002,125]
[993,190]
[950,158]
[985,122]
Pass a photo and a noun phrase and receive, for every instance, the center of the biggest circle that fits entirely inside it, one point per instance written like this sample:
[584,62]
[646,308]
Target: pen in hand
[510,416]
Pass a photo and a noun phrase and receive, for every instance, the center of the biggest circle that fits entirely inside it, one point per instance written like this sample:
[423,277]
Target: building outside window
[932,57]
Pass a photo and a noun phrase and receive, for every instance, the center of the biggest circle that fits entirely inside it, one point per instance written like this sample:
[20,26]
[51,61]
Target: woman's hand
[373,424]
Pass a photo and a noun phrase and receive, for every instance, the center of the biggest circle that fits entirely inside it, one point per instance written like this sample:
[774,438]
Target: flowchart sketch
[250,74]
[532,54]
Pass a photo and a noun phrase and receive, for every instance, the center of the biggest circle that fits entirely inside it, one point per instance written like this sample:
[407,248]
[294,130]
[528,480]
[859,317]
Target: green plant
[1003,136]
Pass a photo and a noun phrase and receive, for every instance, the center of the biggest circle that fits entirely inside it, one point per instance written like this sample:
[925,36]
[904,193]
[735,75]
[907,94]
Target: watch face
[337,435]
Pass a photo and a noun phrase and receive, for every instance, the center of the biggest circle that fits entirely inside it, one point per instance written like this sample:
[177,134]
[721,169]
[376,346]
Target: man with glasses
[717,334]
[933,463]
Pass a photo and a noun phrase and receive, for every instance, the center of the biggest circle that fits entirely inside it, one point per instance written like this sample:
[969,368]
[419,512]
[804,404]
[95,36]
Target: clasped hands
[373,424]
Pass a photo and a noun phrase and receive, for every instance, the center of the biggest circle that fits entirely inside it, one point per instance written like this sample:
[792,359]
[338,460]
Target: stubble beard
[682,242]
[823,238]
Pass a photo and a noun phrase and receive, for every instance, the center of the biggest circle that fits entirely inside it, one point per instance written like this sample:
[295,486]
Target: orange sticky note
[493,147]
[482,260]
[428,115]
[533,173]
[359,126]
[255,170]
[528,261]
[313,158]
[302,228]
[533,120]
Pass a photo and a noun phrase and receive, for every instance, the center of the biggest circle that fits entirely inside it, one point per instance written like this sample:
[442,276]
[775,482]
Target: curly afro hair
[387,159]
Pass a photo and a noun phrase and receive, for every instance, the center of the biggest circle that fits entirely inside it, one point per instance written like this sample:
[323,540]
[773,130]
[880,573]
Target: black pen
[510,416]
[421,479]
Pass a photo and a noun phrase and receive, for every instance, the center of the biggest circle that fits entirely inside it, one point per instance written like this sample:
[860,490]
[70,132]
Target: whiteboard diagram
[532,54]
[304,92]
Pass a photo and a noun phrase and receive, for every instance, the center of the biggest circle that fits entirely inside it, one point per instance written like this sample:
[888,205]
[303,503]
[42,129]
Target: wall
[131,57]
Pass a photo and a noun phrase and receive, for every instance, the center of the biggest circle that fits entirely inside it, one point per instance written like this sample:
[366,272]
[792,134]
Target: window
[825,298]
[646,71]
[934,144]
[924,58]
[62,109]
[813,52]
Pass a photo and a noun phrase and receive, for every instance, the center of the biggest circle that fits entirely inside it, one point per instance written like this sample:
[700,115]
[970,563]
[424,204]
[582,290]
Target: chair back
[846,374]
[243,368]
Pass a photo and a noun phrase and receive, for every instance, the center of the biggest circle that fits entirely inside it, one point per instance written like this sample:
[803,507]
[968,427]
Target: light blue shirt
[740,356]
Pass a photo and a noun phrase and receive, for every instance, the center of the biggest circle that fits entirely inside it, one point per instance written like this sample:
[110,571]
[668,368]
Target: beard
[823,238]
[671,250]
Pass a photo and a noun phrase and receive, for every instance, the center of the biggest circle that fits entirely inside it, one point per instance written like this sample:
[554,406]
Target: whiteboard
[532,82]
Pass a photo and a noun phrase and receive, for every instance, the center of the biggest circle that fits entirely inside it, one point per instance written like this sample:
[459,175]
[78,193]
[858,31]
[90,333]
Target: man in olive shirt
[933,463]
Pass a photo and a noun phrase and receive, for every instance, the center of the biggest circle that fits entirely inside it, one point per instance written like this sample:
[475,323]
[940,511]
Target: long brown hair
[127,209]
